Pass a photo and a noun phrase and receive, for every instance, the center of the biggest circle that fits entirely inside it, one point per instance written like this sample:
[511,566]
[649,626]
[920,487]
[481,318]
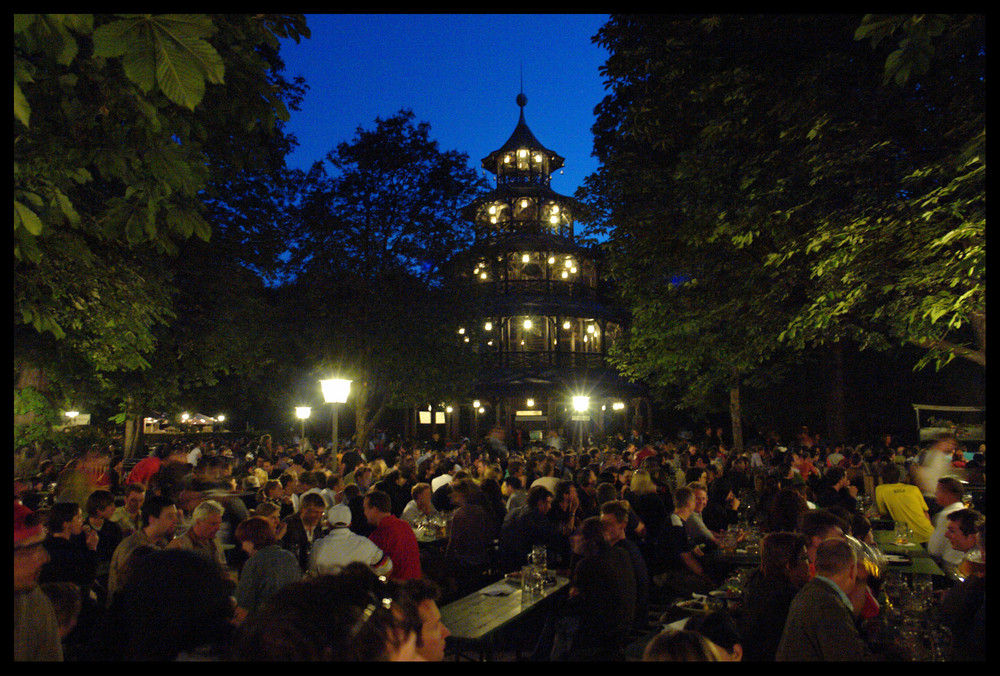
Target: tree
[913,268]
[121,154]
[714,146]
[367,258]
[111,154]
[674,197]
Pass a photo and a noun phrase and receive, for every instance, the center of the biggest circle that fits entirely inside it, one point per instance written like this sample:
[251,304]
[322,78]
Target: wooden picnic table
[477,620]
[921,563]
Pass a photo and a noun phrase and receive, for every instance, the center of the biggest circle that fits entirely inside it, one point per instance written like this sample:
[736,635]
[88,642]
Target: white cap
[339,515]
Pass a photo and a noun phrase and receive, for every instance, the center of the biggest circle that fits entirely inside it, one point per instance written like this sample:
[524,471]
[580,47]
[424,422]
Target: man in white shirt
[341,546]
[194,455]
[936,465]
[949,497]
[420,506]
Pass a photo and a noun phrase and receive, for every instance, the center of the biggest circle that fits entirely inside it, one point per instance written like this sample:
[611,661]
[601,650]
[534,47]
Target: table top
[476,616]
[921,562]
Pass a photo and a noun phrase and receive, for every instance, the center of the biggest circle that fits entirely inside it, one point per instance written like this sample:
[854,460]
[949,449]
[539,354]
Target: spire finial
[522,100]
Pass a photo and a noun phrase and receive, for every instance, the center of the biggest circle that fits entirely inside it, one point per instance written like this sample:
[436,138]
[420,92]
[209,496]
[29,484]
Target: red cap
[22,529]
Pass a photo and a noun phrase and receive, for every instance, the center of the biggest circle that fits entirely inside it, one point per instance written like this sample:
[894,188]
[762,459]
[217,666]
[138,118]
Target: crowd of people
[237,549]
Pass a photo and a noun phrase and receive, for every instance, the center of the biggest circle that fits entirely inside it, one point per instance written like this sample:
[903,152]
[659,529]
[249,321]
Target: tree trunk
[836,425]
[133,435]
[736,412]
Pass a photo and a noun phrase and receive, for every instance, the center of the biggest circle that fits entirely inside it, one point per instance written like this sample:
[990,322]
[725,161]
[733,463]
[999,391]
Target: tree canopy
[131,133]
[376,222]
[121,124]
[770,183]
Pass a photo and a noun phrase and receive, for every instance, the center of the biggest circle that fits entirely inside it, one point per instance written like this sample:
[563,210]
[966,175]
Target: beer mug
[538,557]
[902,529]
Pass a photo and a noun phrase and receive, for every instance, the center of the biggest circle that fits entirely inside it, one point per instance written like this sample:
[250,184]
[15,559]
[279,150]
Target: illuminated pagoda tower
[544,322]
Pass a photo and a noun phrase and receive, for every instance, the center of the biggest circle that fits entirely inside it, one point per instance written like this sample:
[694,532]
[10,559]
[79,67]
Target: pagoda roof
[522,138]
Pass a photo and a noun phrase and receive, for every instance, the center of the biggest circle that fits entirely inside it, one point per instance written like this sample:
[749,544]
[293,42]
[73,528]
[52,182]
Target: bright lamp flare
[335,390]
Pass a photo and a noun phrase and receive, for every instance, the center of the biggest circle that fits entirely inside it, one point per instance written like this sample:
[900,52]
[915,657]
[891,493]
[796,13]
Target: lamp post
[335,392]
[580,405]
[302,412]
[475,421]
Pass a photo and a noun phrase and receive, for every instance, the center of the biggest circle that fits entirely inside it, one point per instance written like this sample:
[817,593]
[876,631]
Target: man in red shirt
[394,536]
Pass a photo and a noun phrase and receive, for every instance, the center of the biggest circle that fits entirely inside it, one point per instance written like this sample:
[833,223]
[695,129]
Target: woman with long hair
[784,568]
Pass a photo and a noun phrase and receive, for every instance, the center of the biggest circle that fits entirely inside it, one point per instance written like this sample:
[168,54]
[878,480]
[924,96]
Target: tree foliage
[116,138]
[376,223]
[137,139]
[760,180]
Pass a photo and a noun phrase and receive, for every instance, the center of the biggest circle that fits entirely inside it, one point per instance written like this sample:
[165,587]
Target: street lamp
[581,404]
[335,392]
[302,412]
[475,420]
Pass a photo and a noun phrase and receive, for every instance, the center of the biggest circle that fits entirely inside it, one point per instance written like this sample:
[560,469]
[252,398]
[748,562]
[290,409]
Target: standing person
[393,536]
[650,506]
[72,552]
[268,568]
[470,536]
[100,507]
[36,628]
[820,625]
[935,465]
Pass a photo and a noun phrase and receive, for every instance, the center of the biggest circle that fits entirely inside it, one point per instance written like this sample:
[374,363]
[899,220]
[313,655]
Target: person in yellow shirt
[903,502]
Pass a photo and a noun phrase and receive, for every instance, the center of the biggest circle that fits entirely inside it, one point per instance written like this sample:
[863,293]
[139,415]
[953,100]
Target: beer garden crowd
[226,548]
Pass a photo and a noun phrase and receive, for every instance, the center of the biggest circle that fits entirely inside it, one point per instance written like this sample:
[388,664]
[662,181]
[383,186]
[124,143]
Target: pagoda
[544,320]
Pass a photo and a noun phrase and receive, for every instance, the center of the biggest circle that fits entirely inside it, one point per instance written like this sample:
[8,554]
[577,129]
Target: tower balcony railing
[578,290]
[542,360]
[514,177]
[523,226]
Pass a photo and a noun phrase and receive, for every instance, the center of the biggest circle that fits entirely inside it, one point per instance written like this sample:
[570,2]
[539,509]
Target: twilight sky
[458,72]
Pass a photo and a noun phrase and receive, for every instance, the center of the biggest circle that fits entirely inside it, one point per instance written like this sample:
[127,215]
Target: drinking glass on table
[531,581]
[902,529]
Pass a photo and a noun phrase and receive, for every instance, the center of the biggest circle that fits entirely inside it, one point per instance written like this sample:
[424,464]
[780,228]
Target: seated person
[784,568]
[677,567]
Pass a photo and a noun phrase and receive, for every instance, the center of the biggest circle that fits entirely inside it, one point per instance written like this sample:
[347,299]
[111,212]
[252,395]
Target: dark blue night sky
[459,73]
